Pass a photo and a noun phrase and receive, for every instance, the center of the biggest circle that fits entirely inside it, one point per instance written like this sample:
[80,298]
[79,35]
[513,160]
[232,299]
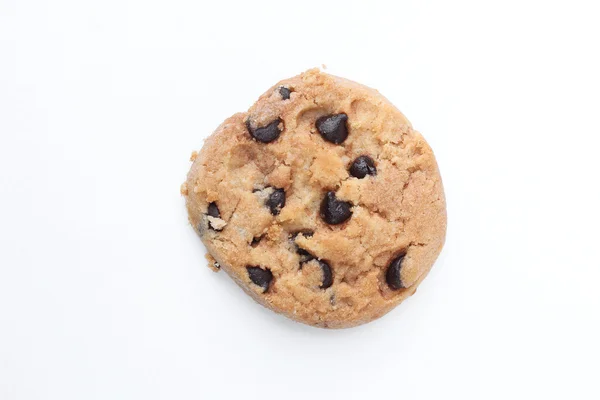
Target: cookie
[321,201]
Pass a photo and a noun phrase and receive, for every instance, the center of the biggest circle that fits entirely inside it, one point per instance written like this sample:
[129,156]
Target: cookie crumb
[193,156]
[216,223]
[184,189]
[212,263]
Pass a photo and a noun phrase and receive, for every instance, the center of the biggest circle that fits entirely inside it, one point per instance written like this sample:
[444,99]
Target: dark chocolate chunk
[276,201]
[303,252]
[305,256]
[392,276]
[213,211]
[284,92]
[327,274]
[334,211]
[307,234]
[333,128]
[256,240]
[265,134]
[363,166]
[260,277]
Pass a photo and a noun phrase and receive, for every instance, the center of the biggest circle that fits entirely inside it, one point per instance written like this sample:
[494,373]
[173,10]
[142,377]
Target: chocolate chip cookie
[321,201]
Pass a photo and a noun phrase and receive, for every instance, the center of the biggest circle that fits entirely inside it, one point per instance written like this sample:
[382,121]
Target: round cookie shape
[321,201]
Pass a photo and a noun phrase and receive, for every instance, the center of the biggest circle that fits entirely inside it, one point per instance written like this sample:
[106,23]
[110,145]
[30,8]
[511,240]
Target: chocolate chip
[303,252]
[217,265]
[276,201]
[327,274]
[333,128]
[392,276]
[260,277]
[256,240]
[294,235]
[266,134]
[363,166]
[213,210]
[334,211]
[305,256]
[284,92]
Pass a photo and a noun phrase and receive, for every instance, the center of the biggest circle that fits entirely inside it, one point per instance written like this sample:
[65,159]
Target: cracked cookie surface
[321,201]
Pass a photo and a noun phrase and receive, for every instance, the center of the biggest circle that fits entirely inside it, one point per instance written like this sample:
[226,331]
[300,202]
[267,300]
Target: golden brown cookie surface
[321,201]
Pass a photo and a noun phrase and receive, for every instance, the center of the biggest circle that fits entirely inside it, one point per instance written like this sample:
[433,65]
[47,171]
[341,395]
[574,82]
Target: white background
[104,292]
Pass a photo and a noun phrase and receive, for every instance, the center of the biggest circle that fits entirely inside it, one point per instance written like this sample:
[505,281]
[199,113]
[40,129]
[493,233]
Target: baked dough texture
[321,202]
